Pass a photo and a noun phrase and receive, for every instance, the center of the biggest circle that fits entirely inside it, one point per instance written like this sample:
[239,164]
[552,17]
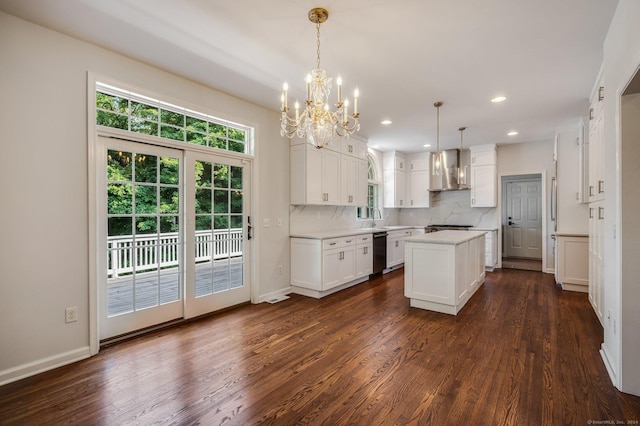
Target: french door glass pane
[143,239]
[219,227]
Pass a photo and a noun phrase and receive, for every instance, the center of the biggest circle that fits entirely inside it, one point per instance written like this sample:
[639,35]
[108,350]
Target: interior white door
[523,226]
[139,235]
[218,233]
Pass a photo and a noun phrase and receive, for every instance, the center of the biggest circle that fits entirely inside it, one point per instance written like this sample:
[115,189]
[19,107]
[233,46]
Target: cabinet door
[400,193]
[419,185]
[349,173]
[347,264]
[330,176]
[364,260]
[483,186]
[314,186]
[391,252]
[483,157]
[419,162]
[362,190]
[472,265]
[330,268]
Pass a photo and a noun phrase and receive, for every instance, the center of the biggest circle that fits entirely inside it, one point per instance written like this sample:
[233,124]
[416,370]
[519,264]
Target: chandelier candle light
[317,122]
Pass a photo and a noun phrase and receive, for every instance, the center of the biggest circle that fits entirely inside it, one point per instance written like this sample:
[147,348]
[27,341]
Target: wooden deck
[153,288]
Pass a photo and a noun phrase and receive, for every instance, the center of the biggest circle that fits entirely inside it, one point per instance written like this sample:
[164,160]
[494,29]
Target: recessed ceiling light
[386,122]
[426,145]
[499,99]
[512,133]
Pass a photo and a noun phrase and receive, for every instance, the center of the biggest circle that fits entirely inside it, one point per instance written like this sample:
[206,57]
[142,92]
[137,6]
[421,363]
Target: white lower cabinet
[395,247]
[364,255]
[491,250]
[572,262]
[319,266]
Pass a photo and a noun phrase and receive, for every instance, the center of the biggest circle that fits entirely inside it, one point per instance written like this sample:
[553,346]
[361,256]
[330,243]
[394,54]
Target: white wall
[531,157]
[44,191]
[621,59]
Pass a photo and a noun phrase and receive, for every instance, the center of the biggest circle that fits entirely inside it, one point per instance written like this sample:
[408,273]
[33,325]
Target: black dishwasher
[379,252]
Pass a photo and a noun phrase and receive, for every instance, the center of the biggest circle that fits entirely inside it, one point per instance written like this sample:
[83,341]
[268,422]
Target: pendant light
[438,159]
[462,170]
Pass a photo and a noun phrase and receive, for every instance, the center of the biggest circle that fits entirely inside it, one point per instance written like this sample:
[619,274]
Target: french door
[172,234]
[217,224]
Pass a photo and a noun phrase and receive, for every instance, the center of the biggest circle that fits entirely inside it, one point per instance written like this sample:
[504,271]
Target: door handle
[510,223]
[249,228]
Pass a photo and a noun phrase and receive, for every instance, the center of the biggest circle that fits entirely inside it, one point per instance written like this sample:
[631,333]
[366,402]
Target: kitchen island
[442,270]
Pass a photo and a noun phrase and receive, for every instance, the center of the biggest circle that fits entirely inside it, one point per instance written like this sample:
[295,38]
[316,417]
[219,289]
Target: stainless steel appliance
[452,160]
[436,228]
[379,252]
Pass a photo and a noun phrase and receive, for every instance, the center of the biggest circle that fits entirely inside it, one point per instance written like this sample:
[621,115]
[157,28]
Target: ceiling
[543,55]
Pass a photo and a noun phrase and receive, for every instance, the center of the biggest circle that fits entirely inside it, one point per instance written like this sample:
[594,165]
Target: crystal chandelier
[317,122]
[438,160]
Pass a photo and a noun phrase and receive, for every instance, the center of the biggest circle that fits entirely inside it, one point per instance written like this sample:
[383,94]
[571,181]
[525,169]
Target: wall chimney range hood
[451,160]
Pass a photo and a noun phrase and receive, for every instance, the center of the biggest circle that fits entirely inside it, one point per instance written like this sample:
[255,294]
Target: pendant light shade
[438,160]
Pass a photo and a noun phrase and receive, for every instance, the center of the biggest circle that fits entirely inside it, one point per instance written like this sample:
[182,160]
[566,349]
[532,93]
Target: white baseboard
[42,365]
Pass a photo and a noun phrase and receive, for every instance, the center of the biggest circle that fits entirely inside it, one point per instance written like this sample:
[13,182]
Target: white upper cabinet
[332,175]
[417,181]
[484,178]
[394,166]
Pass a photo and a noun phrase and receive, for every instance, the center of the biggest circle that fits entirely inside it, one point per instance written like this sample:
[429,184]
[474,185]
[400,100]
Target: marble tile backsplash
[447,207]
[303,219]
[450,208]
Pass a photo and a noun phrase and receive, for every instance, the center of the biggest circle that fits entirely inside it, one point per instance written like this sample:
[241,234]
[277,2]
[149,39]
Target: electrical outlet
[71,315]
[267,223]
[279,269]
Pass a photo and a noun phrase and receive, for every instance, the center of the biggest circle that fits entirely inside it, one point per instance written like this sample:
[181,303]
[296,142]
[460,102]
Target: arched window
[372,210]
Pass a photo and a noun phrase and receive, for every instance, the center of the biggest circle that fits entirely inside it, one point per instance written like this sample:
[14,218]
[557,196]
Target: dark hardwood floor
[522,352]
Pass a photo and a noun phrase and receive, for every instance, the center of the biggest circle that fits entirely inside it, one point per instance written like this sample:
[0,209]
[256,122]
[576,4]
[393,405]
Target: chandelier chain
[318,44]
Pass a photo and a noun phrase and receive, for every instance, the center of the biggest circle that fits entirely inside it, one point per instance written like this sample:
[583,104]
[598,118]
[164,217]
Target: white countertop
[445,237]
[321,235]
[568,234]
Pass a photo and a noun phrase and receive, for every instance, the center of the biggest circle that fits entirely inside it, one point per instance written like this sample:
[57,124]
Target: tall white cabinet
[394,165]
[418,177]
[484,178]
[596,193]
[406,180]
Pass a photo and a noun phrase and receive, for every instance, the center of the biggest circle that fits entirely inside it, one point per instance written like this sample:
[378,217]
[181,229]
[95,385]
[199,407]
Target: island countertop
[445,237]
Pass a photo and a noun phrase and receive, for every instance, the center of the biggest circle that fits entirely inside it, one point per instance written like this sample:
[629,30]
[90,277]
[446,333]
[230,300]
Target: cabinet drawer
[332,243]
[366,238]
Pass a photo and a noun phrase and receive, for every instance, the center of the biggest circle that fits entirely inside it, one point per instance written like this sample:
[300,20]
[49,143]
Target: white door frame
[94,190]
[545,237]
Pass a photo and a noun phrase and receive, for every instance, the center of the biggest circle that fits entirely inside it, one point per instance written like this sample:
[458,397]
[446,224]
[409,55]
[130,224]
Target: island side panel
[430,274]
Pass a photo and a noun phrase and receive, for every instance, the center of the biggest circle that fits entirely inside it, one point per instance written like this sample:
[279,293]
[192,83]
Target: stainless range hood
[448,181]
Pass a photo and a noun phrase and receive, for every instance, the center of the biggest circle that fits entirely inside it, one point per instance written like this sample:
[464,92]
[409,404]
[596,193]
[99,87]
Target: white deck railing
[148,252]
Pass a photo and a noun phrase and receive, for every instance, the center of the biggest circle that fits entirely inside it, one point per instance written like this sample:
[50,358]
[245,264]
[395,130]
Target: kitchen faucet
[373,216]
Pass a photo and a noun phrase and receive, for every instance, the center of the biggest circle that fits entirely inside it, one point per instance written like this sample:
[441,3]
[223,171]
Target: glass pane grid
[172,122]
[143,245]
